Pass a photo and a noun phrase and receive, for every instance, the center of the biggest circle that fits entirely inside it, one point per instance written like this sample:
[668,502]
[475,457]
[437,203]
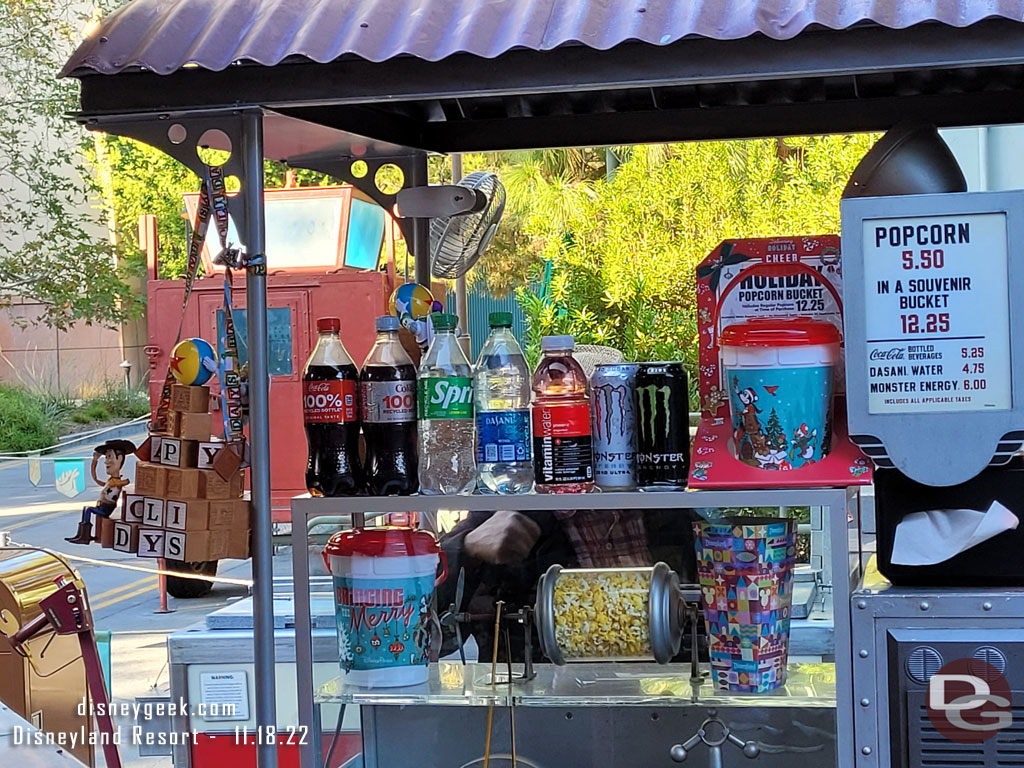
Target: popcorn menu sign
[934,324]
[937,313]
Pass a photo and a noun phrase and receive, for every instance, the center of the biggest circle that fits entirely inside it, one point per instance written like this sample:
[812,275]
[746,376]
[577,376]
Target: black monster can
[663,427]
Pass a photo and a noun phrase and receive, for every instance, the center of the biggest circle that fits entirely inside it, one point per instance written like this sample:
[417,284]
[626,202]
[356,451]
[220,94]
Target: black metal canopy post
[180,136]
[259,437]
[421,227]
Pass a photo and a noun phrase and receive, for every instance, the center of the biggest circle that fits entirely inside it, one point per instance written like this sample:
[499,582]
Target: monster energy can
[663,427]
[613,409]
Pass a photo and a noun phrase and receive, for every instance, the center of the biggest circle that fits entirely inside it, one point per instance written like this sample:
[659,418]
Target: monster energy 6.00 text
[613,407]
[662,427]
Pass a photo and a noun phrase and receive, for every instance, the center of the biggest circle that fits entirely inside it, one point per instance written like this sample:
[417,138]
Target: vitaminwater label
[387,402]
[562,443]
[328,402]
[383,622]
[503,436]
[447,397]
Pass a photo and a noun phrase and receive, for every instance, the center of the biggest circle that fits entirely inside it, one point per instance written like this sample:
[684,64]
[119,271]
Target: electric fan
[458,241]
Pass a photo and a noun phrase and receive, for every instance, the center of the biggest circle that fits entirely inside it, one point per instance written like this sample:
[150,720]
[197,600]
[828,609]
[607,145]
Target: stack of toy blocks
[187,503]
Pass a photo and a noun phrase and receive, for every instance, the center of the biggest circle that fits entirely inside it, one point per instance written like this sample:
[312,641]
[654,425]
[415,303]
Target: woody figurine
[113,453]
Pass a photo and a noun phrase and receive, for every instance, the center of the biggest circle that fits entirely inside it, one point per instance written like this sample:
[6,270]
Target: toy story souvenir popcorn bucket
[384,580]
[745,568]
[779,373]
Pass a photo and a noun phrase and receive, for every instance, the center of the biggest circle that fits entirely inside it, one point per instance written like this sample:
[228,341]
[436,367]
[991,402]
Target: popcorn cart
[347,88]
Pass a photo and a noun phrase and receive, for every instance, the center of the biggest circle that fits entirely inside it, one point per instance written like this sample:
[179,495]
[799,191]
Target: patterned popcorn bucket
[745,566]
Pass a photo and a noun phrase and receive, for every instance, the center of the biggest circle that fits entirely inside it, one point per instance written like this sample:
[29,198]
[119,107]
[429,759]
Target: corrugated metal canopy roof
[476,75]
[163,36]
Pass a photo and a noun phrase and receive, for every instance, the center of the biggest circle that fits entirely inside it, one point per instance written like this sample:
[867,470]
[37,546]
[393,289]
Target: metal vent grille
[993,657]
[923,662]
[930,749]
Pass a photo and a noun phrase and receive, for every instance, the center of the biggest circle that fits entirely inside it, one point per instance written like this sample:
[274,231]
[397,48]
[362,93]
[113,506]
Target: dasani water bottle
[502,399]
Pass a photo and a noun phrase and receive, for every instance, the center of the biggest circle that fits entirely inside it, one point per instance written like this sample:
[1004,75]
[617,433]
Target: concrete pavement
[123,601]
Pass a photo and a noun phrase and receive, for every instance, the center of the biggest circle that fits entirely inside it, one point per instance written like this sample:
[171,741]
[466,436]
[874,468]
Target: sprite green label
[446,397]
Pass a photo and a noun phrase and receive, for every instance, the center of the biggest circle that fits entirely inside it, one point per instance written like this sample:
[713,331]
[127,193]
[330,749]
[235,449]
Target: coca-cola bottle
[387,398]
[329,410]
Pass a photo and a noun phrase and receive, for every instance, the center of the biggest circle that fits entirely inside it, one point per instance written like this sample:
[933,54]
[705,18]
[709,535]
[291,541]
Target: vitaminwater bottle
[330,413]
[387,401]
[562,451]
[445,401]
[501,388]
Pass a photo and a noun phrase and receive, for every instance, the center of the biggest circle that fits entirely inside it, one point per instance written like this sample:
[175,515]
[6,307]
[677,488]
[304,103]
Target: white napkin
[934,536]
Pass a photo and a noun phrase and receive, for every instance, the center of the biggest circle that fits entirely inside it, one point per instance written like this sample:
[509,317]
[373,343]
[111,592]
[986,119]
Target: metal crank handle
[678,752]
[750,748]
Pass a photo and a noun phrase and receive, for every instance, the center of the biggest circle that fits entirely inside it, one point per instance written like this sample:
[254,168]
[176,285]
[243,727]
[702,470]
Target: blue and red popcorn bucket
[745,567]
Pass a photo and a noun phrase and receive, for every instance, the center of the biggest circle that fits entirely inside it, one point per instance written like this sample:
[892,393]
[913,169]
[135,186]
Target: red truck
[330,252]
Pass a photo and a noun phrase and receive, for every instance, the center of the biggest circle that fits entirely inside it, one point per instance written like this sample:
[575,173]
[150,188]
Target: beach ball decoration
[412,301]
[193,362]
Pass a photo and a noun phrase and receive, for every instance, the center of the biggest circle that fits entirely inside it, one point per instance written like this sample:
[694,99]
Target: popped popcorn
[603,614]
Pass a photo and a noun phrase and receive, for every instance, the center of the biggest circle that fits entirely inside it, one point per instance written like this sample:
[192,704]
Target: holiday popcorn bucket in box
[745,567]
[384,581]
[780,374]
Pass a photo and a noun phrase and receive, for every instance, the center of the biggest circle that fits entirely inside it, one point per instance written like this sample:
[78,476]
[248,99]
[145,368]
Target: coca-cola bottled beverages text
[562,451]
[330,413]
[387,398]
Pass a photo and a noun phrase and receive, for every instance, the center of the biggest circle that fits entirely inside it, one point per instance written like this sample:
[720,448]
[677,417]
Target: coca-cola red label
[329,402]
[562,444]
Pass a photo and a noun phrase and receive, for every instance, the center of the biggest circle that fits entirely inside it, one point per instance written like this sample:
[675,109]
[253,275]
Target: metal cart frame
[646,79]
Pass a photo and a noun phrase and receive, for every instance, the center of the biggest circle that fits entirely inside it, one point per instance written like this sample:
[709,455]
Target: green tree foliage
[136,179]
[546,192]
[620,255]
[25,424]
[54,250]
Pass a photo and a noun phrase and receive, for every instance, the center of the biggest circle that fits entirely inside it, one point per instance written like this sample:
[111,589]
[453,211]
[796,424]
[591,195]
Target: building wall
[78,362]
[989,156]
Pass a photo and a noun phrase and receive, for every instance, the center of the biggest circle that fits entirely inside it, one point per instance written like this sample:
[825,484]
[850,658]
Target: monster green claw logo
[652,393]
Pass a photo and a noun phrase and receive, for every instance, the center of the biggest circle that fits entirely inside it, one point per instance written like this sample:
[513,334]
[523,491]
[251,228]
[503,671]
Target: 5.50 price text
[925,259]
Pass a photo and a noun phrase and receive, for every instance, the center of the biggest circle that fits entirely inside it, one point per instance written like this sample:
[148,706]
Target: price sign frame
[935,447]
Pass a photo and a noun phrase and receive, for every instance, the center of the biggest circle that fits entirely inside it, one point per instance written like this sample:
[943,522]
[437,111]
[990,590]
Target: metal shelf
[586,685]
[307,506]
